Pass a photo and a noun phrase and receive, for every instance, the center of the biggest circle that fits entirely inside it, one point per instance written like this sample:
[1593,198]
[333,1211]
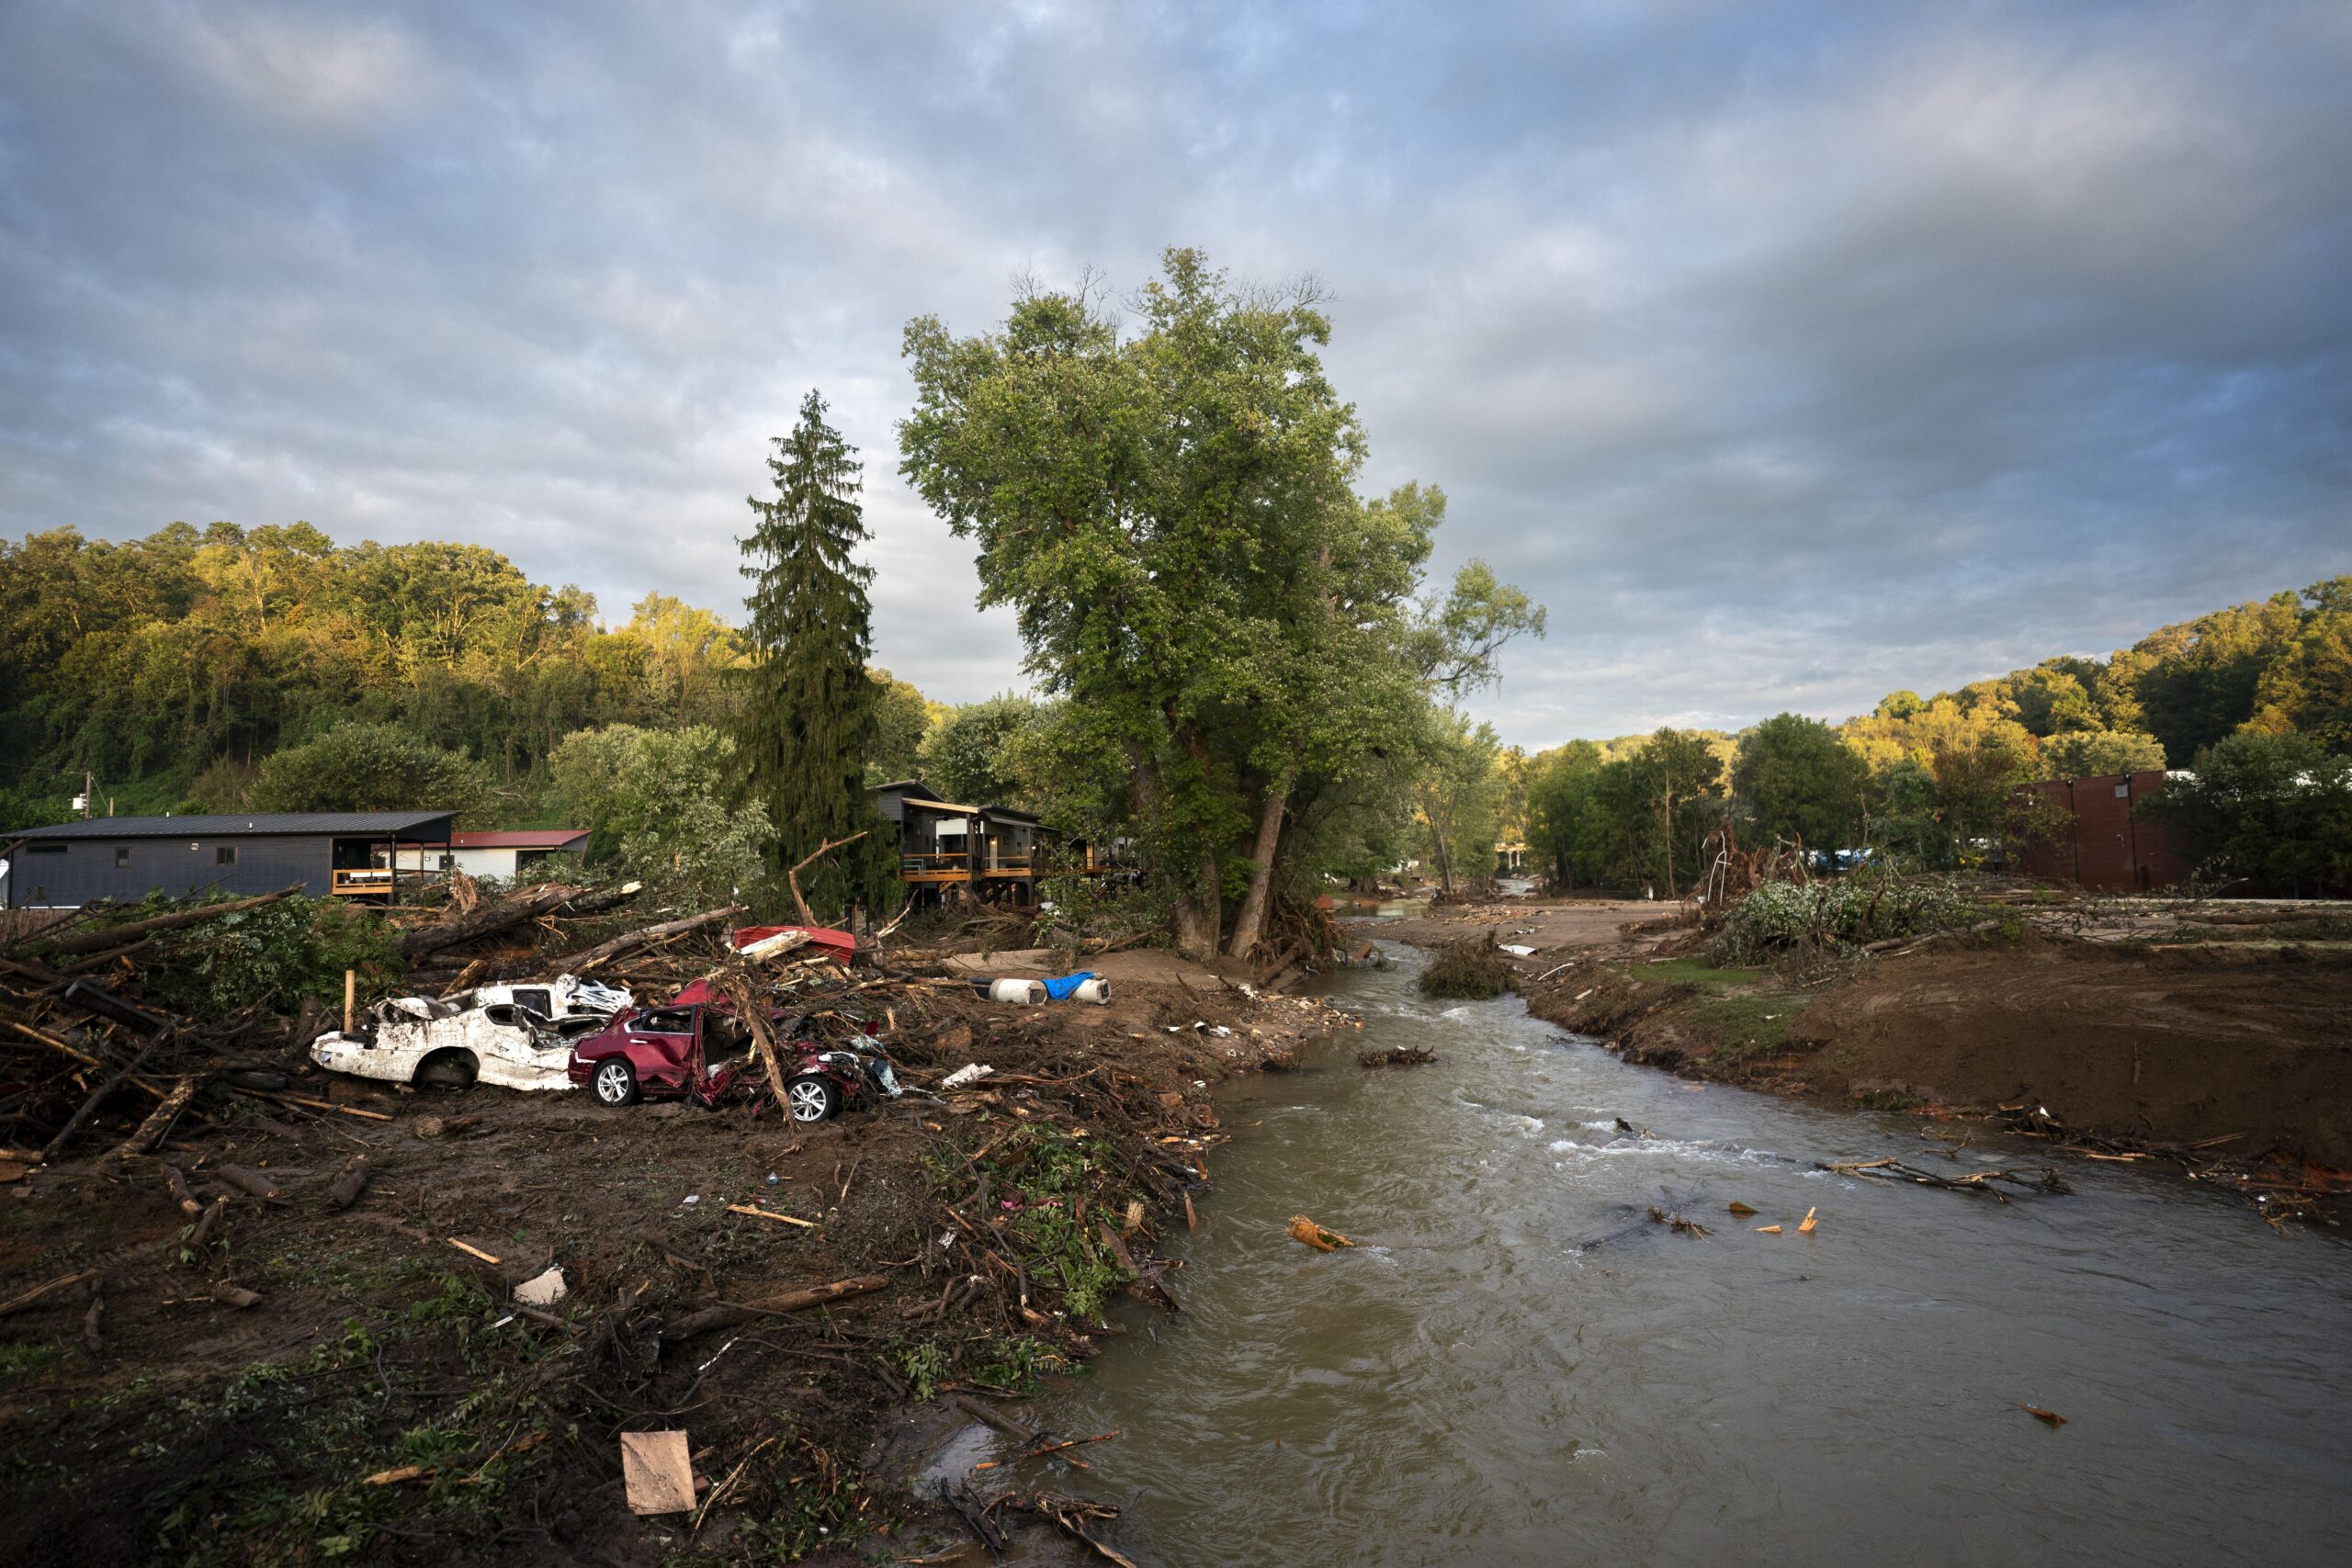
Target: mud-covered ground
[2134,1024]
[384,1399]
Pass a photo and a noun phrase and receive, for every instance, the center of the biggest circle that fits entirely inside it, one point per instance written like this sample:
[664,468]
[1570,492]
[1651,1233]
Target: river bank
[1525,1360]
[2135,1026]
[382,1398]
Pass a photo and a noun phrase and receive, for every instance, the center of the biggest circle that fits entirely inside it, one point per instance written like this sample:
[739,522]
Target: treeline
[225,669]
[2255,700]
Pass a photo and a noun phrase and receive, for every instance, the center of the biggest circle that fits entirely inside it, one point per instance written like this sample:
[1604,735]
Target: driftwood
[726,1314]
[489,918]
[181,1194]
[40,1294]
[646,936]
[2035,1177]
[159,1121]
[792,875]
[123,936]
[348,1185]
[252,1182]
[98,1095]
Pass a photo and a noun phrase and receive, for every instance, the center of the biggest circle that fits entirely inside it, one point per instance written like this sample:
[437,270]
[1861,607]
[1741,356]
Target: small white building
[503,852]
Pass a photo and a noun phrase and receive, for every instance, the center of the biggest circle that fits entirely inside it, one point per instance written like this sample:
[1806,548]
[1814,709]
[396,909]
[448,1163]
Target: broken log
[252,1182]
[40,1294]
[604,899]
[489,918]
[792,874]
[209,1226]
[159,1121]
[181,1194]
[349,1185]
[726,1314]
[629,941]
[123,936]
[1025,1436]
[97,1096]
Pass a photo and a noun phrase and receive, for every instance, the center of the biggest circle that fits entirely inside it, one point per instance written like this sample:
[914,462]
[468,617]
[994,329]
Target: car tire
[615,1082]
[812,1097]
[446,1069]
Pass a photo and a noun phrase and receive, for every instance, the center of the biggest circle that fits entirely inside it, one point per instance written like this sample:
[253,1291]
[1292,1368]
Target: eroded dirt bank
[384,1399]
[2244,1047]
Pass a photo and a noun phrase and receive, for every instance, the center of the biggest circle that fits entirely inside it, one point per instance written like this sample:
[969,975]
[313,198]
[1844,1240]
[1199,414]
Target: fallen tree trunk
[347,1187]
[726,1314]
[122,936]
[489,918]
[159,1121]
[98,1095]
[629,941]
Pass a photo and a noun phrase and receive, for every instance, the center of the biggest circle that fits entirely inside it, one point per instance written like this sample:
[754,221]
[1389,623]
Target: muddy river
[1516,1366]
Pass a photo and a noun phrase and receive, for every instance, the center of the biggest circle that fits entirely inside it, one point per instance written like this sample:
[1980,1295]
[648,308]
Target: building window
[121,856]
[49,847]
[224,854]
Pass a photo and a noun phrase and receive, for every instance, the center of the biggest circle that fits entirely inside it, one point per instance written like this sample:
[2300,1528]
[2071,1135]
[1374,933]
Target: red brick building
[2102,840]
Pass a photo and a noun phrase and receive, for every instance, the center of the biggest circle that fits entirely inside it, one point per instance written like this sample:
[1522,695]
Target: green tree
[368,767]
[809,718]
[2272,811]
[2094,753]
[658,805]
[1567,826]
[902,717]
[1169,512]
[1802,781]
[972,758]
[1459,800]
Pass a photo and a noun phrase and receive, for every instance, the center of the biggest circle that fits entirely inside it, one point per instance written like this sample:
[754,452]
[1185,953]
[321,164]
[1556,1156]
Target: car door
[662,1042]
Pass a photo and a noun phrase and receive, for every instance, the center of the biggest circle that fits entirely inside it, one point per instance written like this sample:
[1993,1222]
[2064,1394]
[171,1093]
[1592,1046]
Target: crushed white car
[516,1036]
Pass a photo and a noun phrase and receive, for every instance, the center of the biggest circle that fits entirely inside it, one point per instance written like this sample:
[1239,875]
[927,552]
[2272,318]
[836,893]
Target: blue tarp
[1059,989]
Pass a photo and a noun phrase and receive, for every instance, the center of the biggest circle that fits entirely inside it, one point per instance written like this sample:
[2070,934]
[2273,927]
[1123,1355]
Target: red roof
[520,838]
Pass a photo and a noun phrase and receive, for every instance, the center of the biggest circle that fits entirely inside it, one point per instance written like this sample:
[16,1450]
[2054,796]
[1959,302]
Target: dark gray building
[345,852]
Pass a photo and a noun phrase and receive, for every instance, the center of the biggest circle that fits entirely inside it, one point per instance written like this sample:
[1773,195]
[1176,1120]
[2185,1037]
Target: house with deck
[992,855]
[343,854]
[511,853]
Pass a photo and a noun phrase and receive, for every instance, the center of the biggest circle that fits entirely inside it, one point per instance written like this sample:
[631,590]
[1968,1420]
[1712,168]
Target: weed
[1471,970]
[20,1360]
[926,1366]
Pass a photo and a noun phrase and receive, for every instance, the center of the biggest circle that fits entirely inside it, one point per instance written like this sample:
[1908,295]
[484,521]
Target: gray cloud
[1790,353]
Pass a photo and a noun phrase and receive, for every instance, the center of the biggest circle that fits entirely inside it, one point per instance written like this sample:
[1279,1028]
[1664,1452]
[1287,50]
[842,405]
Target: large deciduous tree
[1169,514]
[808,717]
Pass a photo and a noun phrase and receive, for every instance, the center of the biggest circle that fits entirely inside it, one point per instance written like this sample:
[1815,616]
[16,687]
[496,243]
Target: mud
[170,1425]
[2241,1047]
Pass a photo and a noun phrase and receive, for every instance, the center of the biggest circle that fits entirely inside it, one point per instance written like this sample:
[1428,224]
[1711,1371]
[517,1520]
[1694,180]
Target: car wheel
[446,1069]
[812,1097]
[616,1082]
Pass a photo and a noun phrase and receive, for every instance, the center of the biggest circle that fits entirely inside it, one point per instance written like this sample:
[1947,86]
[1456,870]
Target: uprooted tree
[1230,630]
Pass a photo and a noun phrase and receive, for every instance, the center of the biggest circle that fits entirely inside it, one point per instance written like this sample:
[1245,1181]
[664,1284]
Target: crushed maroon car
[696,1047]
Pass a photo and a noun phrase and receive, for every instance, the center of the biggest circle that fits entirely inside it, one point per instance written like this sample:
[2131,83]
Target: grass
[1696,972]
[21,1361]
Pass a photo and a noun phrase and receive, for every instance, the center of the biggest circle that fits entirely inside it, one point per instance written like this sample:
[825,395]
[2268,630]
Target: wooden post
[350,996]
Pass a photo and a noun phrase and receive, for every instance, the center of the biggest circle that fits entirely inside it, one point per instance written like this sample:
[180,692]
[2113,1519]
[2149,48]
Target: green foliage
[973,757]
[927,1365]
[21,1359]
[2094,754]
[810,713]
[2271,811]
[1867,907]
[1800,781]
[658,801]
[270,957]
[1459,799]
[903,718]
[367,767]
[1046,1173]
[1230,629]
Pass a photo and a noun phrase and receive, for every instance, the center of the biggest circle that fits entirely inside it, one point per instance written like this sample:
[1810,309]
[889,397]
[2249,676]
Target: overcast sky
[1789,353]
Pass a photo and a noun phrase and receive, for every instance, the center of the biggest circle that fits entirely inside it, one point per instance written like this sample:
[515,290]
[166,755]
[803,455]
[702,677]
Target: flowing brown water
[1516,1366]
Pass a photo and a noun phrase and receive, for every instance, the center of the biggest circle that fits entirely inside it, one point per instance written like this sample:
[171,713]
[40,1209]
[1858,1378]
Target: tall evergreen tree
[808,717]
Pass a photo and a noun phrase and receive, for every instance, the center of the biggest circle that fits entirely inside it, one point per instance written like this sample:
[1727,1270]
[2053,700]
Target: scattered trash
[970,1073]
[542,1290]
[1516,950]
[1740,1209]
[1804,1227]
[1085,986]
[1315,1235]
[2050,1418]
[1021,993]
[690,1198]
[1678,1221]
[658,1471]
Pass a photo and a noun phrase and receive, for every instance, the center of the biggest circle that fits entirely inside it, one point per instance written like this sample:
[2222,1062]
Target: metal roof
[518,838]
[368,824]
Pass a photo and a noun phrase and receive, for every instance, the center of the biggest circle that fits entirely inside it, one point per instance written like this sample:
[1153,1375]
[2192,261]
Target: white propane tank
[1024,993]
[1095,991]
